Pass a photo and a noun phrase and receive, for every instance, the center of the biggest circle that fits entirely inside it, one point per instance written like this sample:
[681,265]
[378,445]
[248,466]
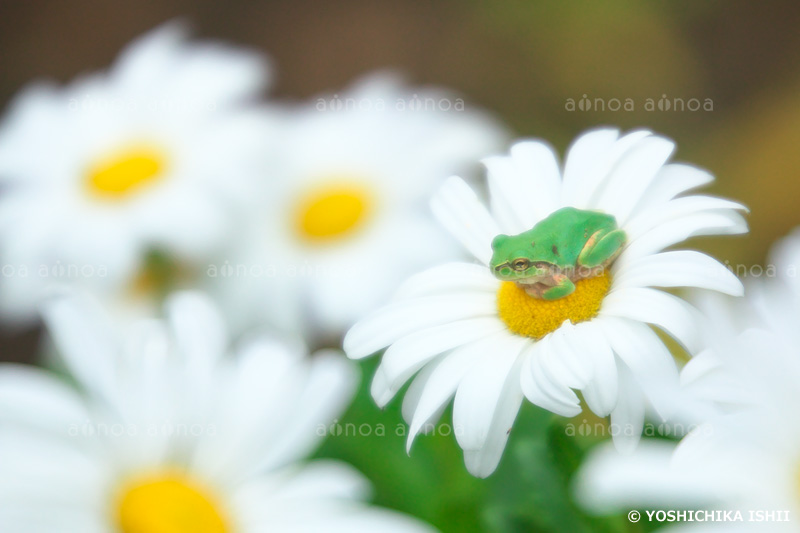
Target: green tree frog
[568,245]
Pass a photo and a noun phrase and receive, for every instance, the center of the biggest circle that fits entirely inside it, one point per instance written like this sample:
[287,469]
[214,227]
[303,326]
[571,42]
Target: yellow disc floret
[332,211]
[535,317]
[167,504]
[119,175]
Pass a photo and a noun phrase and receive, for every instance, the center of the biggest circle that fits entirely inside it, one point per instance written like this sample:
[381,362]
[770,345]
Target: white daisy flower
[709,386]
[745,456]
[152,157]
[343,219]
[170,434]
[487,342]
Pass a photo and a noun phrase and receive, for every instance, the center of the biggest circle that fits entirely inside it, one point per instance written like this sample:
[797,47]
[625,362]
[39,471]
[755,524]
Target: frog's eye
[521,264]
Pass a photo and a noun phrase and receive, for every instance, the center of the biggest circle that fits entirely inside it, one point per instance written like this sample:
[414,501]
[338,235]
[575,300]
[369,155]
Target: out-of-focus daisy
[344,217]
[488,342]
[122,180]
[746,456]
[171,434]
[745,460]
[709,384]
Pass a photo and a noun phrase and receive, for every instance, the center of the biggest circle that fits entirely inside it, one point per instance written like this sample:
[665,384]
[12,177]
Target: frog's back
[570,227]
[583,218]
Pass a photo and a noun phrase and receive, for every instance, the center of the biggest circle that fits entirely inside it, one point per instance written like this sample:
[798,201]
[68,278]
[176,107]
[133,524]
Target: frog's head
[513,260]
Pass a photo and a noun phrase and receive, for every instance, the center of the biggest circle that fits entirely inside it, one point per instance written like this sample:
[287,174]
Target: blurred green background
[526,61]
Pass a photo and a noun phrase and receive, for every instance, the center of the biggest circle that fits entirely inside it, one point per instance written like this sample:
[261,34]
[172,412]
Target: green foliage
[432,483]
[530,491]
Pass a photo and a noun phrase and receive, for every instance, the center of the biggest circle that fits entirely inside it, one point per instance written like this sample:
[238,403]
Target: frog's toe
[559,291]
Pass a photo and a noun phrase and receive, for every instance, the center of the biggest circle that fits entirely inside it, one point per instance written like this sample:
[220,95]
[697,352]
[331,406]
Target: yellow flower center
[121,174]
[332,211]
[535,317]
[168,504]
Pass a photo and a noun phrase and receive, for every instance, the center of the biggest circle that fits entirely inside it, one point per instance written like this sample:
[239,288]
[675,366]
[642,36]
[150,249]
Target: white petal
[539,387]
[197,325]
[581,171]
[402,318]
[632,176]
[477,397]
[33,465]
[648,359]
[466,218]
[445,378]
[627,418]
[451,277]
[601,150]
[675,209]
[148,59]
[29,396]
[199,333]
[322,496]
[242,403]
[414,394]
[705,385]
[681,229]
[602,391]
[147,364]
[337,517]
[510,204]
[672,180]
[670,313]
[608,481]
[406,356]
[525,186]
[567,358]
[326,478]
[327,391]
[537,164]
[86,340]
[27,518]
[700,366]
[683,268]
[206,75]
[484,461]
[215,74]
[29,115]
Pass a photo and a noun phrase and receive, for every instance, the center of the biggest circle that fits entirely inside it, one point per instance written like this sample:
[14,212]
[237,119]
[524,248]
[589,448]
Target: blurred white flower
[343,217]
[168,433]
[488,343]
[709,385]
[746,456]
[150,159]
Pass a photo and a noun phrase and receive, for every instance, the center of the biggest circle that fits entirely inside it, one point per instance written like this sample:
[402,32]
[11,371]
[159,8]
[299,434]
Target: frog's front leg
[601,248]
[563,287]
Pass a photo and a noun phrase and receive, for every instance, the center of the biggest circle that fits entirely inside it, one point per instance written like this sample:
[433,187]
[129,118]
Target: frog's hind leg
[600,250]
